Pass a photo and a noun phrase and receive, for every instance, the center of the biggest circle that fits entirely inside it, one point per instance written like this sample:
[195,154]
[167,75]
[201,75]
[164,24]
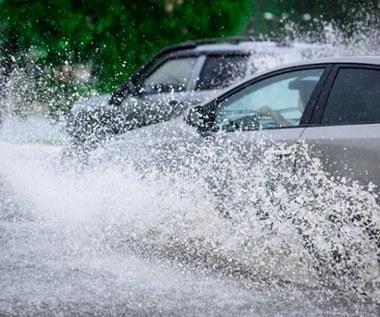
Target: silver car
[332,104]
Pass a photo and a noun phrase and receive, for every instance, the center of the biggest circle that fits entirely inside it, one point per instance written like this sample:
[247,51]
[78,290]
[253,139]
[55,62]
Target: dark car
[175,79]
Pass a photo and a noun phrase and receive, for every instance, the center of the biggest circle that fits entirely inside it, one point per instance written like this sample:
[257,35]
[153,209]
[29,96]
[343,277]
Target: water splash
[197,207]
[359,36]
[261,216]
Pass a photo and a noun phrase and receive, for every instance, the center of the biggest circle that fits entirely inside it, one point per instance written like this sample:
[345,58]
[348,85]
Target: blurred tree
[270,17]
[115,36]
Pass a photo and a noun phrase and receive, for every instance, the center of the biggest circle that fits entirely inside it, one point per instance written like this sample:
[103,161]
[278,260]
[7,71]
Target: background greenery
[111,38]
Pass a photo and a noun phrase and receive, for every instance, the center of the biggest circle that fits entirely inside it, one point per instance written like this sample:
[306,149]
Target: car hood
[92,103]
[159,133]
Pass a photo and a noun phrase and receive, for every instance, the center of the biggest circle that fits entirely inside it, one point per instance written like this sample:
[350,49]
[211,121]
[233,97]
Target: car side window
[173,75]
[354,97]
[222,71]
[278,101]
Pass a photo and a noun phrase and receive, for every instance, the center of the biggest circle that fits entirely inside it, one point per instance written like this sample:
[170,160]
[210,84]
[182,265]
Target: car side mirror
[198,118]
[131,87]
[121,93]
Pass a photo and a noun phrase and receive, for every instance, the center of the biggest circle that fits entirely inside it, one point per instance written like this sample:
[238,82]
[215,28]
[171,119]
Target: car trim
[195,74]
[312,106]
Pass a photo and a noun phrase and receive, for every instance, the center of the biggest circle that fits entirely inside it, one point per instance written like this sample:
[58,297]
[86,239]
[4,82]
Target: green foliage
[311,16]
[116,36]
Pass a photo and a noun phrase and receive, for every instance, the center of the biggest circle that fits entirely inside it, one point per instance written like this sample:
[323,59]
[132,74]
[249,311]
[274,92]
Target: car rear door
[345,130]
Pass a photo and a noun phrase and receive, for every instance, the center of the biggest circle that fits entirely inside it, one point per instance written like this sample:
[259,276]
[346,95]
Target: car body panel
[349,151]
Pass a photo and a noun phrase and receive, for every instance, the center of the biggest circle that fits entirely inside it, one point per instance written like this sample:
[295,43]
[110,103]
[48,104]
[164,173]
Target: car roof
[248,46]
[242,45]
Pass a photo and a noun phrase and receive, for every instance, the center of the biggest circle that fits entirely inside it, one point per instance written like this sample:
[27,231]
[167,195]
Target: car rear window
[354,98]
[222,71]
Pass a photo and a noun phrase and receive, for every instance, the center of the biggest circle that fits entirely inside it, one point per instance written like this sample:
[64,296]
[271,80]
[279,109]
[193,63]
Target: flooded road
[108,242]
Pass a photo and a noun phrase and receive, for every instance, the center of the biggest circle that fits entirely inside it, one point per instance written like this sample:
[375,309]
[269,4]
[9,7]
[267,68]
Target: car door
[163,94]
[267,113]
[345,133]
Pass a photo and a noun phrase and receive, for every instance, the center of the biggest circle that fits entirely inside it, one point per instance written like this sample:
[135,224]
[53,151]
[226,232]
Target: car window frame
[323,98]
[306,117]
